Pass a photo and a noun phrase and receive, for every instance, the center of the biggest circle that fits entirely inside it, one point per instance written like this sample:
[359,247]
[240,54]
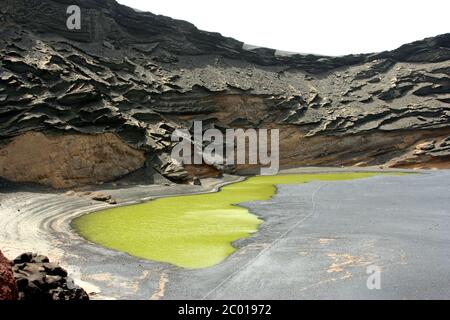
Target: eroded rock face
[428,154]
[64,161]
[140,76]
[8,287]
[40,280]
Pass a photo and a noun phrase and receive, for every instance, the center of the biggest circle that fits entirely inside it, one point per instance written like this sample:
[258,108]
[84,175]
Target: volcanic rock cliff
[91,105]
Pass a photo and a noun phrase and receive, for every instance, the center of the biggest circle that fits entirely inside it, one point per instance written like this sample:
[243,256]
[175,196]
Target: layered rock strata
[118,87]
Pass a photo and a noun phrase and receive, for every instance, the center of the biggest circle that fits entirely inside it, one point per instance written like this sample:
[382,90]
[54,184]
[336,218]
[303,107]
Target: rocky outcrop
[140,76]
[8,287]
[427,154]
[64,161]
[40,280]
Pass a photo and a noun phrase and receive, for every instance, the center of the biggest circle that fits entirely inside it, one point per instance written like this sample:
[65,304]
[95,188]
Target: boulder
[98,196]
[40,280]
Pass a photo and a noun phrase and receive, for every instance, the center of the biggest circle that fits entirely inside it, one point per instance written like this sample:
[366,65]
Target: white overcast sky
[329,27]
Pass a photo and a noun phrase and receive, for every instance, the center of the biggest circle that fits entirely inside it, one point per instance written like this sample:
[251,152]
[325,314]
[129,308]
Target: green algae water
[192,231]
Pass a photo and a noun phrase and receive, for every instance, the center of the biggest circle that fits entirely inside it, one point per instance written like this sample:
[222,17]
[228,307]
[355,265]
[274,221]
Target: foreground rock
[129,79]
[8,288]
[38,279]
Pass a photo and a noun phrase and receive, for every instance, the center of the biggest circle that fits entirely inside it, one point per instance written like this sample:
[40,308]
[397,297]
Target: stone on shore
[40,280]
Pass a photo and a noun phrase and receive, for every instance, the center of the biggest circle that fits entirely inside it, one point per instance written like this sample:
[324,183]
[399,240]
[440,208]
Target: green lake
[191,231]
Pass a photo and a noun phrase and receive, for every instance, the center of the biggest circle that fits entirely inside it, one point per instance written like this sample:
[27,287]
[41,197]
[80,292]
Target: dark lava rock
[140,76]
[8,287]
[40,280]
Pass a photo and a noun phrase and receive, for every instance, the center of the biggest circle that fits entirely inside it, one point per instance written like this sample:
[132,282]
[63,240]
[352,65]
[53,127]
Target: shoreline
[42,221]
[212,185]
[233,179]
